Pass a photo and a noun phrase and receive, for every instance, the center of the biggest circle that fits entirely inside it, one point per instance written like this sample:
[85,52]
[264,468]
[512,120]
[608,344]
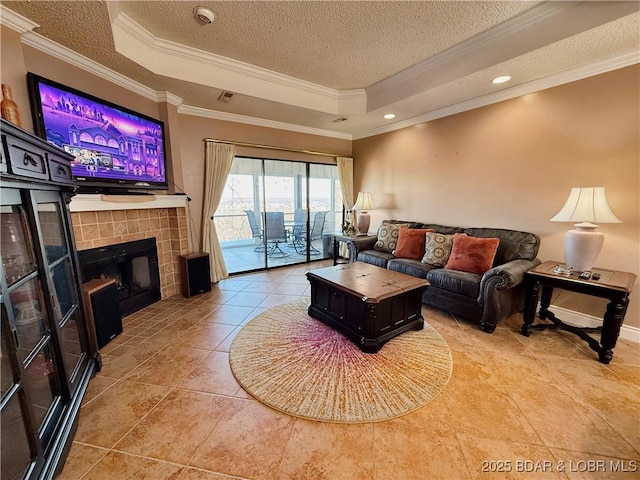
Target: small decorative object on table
[8,108]
[348,228]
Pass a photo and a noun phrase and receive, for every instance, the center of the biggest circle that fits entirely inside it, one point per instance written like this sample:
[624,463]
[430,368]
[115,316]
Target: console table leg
[545,301]
[611,328]
[530,305]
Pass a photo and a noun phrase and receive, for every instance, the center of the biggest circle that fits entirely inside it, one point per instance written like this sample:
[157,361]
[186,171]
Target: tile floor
[166,406]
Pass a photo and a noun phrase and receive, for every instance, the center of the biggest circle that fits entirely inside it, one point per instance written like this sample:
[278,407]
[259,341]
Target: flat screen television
[116,150]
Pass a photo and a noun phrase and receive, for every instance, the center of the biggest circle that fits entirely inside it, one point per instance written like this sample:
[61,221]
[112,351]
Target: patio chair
[256,231]
[315,233]
[275,233]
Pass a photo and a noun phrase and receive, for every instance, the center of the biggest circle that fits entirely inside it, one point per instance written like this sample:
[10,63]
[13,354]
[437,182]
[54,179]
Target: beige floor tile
[247,299]
[80,460]
[311,452]
[212,375]
[489,458]
[481,409]
[225,345]
[204,335]
[105,419]
[274,300]
[250,442]
[119,366]
[579,466]
[230,314]
[562,421]
[175,429]
[117,465]
[191,473]
[510,397]
[614,399]
[169,366]
[419,445]
[261,287]
[96,386]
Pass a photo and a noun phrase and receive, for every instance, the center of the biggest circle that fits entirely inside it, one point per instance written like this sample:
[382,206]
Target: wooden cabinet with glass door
[47,354]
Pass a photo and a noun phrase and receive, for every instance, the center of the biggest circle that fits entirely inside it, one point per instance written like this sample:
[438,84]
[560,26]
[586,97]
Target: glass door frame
[301,199]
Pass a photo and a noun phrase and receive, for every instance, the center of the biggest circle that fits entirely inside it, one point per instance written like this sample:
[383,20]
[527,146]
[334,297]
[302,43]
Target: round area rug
[297,365]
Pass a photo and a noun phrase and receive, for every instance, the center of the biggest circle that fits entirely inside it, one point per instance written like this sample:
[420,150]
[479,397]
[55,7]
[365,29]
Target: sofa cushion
[409,266]
[465,283]
[411,242]
[388,236]
[437,249]
[375,257]
[472,254]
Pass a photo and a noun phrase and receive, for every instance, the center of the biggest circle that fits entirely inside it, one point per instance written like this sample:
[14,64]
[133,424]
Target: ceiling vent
[339,120]
[225,96]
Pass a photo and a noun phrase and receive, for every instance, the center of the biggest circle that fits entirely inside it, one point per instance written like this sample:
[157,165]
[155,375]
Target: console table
[612,285]
[348,240]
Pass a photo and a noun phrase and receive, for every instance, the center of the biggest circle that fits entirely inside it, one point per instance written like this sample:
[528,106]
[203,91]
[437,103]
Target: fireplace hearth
[133,265]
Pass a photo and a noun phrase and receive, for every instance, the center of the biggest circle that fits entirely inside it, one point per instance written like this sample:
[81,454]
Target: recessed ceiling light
[204,15]
[502,79]
[389,116]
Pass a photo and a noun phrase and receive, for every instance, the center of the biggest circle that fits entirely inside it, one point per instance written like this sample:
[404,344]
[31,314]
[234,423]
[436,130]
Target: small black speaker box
[101,298]
[195,273]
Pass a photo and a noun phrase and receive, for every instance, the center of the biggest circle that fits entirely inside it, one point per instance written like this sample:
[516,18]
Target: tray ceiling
[304,64]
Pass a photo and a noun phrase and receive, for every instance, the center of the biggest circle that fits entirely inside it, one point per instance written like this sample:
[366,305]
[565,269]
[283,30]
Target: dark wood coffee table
[368,304]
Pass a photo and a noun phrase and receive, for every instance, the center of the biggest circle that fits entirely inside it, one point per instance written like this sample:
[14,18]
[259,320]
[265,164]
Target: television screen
[112,145]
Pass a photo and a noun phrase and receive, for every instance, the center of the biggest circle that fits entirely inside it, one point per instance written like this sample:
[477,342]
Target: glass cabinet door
[49,212]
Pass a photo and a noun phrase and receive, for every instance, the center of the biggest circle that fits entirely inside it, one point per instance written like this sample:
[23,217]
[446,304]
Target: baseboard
[579,319]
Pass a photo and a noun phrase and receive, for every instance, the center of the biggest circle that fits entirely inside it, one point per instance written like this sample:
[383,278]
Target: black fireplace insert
[133,265]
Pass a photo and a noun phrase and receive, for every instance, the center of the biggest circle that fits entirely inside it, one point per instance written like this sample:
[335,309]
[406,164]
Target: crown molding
[67,55]
[260,122]
[575,74]
[175,60]
[545,23]
[169,98]
[15,21]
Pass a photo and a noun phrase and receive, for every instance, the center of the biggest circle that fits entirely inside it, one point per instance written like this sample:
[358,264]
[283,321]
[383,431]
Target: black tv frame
[101,185]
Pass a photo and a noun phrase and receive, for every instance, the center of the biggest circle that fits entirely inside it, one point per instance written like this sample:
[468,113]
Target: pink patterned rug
[298,365]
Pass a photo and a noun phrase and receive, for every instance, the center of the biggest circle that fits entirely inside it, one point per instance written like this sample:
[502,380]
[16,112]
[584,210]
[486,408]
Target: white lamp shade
[363,202]
[583,243]
[586,204]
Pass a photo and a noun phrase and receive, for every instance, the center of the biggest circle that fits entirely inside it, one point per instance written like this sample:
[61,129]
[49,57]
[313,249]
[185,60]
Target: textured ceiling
[445,52]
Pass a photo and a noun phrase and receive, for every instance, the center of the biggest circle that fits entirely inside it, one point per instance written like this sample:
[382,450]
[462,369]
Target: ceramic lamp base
[582,246]
[364,220]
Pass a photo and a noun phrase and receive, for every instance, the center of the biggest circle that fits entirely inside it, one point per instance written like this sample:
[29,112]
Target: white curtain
[218,159]
[345,174]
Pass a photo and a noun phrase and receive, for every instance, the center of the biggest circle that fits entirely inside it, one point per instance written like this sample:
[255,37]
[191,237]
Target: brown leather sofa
[486,298]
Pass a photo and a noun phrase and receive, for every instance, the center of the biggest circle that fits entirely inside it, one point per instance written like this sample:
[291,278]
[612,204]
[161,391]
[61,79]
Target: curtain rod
[273,147]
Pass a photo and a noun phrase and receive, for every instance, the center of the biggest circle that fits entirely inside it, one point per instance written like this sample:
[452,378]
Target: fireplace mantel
[95,202]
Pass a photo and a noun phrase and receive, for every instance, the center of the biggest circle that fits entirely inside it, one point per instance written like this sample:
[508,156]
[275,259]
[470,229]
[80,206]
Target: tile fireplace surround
[100,220]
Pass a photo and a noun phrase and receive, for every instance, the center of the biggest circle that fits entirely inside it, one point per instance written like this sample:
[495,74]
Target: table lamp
[583,243]
[362,205]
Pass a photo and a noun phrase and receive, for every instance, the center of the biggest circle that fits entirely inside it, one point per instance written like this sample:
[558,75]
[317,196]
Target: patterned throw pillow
[388,236]
[437,248]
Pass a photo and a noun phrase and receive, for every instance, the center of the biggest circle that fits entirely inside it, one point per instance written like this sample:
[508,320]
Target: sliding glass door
[276,212]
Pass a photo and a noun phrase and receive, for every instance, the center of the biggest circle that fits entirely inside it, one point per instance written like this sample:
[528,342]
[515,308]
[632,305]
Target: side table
[612,285]
[348,240]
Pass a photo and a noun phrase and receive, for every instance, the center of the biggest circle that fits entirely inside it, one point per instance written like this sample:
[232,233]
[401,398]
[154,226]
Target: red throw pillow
[411,242]
[472,254]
